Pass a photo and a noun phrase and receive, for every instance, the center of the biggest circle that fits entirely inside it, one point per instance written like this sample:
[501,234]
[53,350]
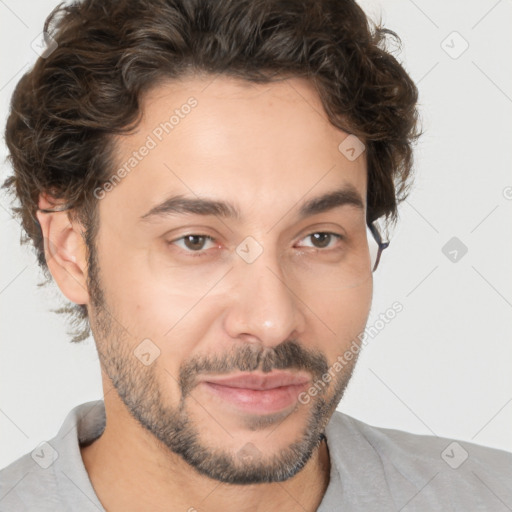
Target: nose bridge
[263,306]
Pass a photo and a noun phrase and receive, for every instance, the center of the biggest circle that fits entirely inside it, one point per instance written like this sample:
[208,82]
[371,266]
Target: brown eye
[322,240]
[193,243]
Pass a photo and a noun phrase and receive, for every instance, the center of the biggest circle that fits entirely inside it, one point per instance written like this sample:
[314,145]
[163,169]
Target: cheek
[343,318]
[158,306]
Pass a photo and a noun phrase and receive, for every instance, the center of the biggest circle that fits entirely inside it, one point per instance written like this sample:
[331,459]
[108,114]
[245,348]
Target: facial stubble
[139,389]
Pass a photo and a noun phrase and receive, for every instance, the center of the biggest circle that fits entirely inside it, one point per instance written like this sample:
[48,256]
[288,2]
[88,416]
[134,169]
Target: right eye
[193,243]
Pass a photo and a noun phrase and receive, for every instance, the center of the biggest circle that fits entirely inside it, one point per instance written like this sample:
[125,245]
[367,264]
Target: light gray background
[442,366]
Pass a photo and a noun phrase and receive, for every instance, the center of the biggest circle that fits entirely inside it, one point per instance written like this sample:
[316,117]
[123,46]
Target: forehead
[259,146]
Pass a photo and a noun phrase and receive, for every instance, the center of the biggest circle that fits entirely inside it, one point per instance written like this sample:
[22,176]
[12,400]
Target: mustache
[289,355]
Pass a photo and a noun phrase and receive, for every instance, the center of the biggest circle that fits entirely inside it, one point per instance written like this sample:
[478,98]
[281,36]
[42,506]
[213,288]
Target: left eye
[193,243]
[322,240]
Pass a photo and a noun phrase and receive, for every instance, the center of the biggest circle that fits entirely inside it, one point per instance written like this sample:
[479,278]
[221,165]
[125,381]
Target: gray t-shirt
[372,469]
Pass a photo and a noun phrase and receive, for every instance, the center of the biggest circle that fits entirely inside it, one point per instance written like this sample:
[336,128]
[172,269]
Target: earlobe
[64,249]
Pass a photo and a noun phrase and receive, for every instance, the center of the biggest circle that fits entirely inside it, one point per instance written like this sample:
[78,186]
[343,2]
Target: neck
[130,470]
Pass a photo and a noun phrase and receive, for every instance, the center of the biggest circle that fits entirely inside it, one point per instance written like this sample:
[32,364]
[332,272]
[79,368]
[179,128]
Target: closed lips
[260,382]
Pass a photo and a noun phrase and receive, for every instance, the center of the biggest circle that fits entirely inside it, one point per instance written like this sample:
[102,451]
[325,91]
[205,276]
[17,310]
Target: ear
[65,250]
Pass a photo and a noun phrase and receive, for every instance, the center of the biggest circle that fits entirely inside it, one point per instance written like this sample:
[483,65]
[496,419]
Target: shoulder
[52,475]
[399,443]
[431,469]
[28,482]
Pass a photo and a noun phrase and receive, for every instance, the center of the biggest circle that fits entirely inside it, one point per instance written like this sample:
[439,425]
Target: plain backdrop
[442,365]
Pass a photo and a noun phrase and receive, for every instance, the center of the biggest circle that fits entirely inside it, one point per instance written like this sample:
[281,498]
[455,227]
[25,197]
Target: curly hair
[67,108]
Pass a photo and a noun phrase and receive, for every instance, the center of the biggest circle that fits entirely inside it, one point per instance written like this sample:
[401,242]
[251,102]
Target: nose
[263,308]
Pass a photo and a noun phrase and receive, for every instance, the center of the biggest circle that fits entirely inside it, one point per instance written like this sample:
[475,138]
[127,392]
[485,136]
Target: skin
[267,149]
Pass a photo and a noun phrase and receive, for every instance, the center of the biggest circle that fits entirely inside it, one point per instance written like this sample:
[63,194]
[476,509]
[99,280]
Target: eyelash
[190,253]
[203,252]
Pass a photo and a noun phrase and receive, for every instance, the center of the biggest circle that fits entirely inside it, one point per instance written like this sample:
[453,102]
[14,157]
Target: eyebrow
[179,204]
[347,195]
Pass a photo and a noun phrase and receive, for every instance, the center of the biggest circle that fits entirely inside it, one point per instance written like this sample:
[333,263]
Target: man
[206,181]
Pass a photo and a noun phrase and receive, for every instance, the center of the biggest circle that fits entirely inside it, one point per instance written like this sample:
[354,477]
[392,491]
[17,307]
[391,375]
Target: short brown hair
[66,109]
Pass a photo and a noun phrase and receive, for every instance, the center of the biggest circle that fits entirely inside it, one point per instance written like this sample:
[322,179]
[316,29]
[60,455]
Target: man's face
[211,320]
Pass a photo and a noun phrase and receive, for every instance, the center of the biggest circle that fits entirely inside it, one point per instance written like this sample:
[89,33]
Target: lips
[257,393]
[261,382]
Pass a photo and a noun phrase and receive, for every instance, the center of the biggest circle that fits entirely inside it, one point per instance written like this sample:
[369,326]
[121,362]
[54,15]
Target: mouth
[257,393]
